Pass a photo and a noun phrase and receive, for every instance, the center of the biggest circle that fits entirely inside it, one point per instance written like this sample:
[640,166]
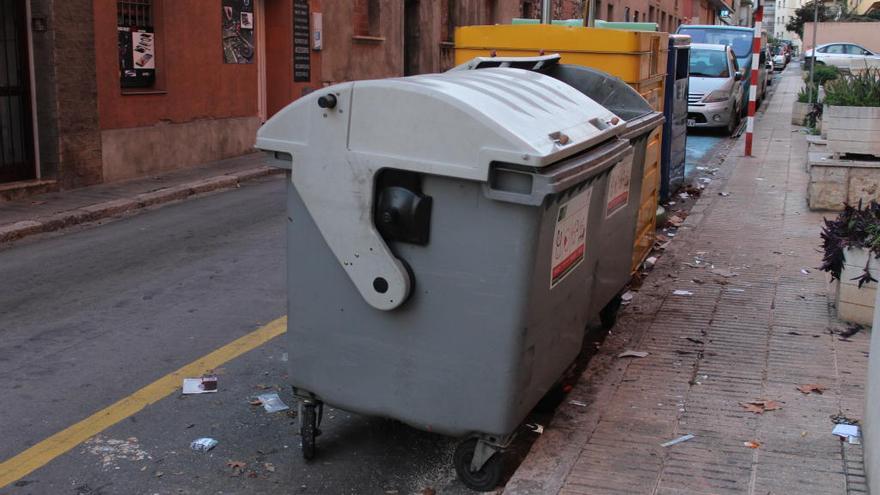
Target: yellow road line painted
[39,455]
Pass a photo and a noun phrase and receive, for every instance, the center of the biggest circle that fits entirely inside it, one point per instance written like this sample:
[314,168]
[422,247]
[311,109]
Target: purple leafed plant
[854,227]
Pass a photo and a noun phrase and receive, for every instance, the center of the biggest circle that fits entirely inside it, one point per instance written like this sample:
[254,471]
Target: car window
[822,49]
[709,63]
[834,49]
[855,50]
[738,39]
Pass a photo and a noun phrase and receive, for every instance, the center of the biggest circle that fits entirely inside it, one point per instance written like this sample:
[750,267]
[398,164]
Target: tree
[803,15]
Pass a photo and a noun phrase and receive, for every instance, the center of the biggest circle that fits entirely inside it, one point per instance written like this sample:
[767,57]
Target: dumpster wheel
[608,314]
[487,477]
[308,430]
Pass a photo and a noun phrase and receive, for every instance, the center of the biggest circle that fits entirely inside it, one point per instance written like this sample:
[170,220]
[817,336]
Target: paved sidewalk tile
[755,336]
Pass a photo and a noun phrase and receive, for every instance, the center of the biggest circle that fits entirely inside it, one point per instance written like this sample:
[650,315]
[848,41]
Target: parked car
[715,97]
[780,60]
[768,65]
[844,56]
[740,40]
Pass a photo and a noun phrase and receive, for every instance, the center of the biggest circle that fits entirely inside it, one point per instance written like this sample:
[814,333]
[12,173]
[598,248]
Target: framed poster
[137,57]
[302,55]
[238,31]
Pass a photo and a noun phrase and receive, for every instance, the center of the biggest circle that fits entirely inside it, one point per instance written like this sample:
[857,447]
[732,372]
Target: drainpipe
[546,5]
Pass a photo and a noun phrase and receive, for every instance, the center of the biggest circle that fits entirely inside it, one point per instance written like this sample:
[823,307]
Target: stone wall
[67,107]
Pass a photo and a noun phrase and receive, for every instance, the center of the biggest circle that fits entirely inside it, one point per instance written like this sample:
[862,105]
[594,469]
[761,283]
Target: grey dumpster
[438,236]
[616,230]
[618,227]
[675,104]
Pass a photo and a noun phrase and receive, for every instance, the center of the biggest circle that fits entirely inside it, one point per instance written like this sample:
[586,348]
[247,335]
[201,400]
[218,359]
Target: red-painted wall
[191,71]
[280,88]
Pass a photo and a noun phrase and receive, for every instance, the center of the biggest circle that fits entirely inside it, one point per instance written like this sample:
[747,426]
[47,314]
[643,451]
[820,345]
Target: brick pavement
[754,336]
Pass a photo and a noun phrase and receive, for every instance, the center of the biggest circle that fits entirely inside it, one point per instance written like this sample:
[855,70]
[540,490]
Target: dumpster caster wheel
[487,477]
[608,314]
[308,430]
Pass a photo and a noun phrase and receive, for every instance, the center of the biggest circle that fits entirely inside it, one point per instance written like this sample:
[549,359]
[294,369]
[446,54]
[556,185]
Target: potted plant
[802,106]
[851,117]
[851,244]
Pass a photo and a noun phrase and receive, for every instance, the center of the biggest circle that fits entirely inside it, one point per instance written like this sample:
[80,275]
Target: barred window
[134,13]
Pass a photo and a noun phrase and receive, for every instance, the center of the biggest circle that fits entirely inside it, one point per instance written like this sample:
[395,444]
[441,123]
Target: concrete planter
[835,181]
[854,304]
[871,421]
[799,113]
[852,129]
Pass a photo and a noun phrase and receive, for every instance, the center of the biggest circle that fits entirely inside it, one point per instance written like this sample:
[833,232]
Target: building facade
[107,90]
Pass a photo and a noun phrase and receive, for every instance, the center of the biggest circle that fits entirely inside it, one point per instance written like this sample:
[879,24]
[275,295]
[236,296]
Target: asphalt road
[89,316]
[92,314]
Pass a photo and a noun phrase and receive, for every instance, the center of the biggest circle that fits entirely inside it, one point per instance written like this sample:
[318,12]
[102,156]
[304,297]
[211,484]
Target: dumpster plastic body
[625,184]
[441,230]
[636,57]
[674,146]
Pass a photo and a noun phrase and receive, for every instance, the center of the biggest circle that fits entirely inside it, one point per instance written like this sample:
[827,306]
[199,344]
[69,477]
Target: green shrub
[804,95]
[861,89]
[822,74]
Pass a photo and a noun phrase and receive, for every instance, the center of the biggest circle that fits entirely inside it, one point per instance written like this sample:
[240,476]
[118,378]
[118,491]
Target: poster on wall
[137,57]
[302,56]
[238,31]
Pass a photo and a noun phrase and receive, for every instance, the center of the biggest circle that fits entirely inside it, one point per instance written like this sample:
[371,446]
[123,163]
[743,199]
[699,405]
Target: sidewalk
[53,211]
[754,336]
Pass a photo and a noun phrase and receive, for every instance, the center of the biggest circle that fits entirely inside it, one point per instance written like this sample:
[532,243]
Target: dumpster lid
[680,40]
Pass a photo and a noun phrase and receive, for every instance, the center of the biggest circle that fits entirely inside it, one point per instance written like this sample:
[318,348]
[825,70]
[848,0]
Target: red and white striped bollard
[753,84]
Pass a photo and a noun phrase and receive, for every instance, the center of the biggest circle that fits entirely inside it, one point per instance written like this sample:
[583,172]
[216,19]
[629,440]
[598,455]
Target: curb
[91,213]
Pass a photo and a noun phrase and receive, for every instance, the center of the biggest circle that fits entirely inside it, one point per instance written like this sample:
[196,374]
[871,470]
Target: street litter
[678,440]
[633,354]
[752,444]
[577,403]
[840,419]
[679,292]
[723,273]
[725,194]
[759,178]
[272,402]
[684,195]
[760,406]
[805,271]
[705,179]
[626,298]
[203,385]
[650,262]
[812,387]
[736,290]
[237,467]
[535,428]
[851,433]
[203,444]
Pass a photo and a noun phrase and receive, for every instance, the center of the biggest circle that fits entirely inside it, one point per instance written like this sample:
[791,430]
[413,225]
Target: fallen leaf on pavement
[269,467]
[812,387]
[760,406]
[237,467]
[428,491]
[255,402]
[752,444]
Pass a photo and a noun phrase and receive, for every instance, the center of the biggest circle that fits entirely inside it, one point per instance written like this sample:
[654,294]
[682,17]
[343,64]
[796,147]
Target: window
[626,14]
[610,16]
[856,50]
[136,40]
[833,49]
[451,12]
[709,63]
[651,15]
[598,13]
[636,16]
[366,18]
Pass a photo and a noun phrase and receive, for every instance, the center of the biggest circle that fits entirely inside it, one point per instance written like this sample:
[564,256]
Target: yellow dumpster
[636,57]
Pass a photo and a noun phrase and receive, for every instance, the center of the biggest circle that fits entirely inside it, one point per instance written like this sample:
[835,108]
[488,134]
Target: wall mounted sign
[137,57]
[238,31]
[302,55]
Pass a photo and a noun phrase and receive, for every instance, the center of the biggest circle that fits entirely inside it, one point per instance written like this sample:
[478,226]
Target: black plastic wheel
[308,431]
[733,123]
[608,314]
[484,480]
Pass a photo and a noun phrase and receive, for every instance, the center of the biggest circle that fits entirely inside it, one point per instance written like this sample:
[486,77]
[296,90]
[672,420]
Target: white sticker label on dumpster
[570,237]
[618,187]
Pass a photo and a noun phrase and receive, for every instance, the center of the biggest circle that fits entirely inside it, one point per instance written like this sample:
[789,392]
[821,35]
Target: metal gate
[16,133]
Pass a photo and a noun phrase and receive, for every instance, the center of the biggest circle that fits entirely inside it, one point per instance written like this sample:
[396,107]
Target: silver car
[716,97]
